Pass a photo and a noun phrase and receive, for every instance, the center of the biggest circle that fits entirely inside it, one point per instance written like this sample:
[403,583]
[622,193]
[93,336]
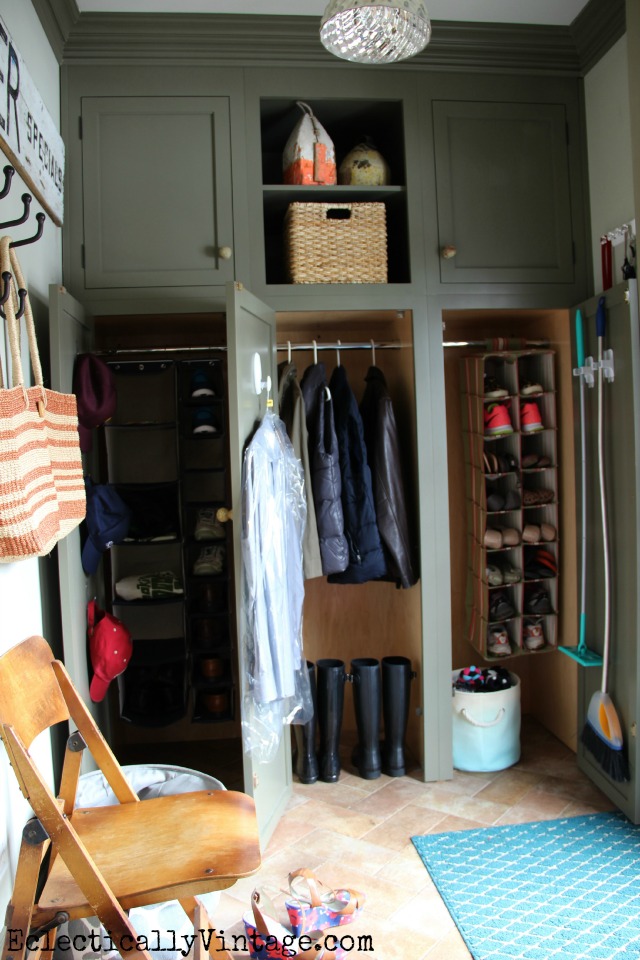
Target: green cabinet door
[156,192]
[503,192]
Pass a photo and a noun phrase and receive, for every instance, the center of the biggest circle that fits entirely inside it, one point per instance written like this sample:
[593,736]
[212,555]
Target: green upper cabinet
[502,177]
[505,191]
[153,222]
[157,192]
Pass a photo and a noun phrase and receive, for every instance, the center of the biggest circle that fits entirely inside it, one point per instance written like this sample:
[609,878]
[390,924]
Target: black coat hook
[8,174]
[22,296]
[40,217]
[6,287]
[26,200]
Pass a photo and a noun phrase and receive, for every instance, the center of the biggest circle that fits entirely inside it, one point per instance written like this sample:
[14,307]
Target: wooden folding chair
[105,860]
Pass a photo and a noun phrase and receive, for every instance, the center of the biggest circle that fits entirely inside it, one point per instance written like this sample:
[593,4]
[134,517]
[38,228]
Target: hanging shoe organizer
[509,411]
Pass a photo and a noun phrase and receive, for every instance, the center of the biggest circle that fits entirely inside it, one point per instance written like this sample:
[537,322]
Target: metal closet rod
[363,345]
[497,343]
[117,351]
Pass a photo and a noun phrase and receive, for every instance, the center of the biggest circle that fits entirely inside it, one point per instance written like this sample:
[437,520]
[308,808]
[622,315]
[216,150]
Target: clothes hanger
[339,344]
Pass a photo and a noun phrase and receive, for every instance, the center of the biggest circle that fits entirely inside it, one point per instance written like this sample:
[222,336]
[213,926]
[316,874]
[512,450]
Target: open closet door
[251,329]
[70,333]
[621,472]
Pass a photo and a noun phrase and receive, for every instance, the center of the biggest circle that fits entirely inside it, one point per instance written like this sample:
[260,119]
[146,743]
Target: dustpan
[582,654]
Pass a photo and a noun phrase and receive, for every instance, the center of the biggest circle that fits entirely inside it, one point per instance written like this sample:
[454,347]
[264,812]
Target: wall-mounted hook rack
[26,201]
[40,217]
[8,176]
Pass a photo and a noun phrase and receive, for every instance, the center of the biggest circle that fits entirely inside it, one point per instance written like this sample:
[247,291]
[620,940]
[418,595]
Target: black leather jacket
[383,455]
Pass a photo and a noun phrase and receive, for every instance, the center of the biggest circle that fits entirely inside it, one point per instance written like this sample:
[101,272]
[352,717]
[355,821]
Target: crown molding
[294,40]
[57,18]
[596,29]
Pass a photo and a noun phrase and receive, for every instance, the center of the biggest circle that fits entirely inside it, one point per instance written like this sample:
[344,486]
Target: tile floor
[356,833]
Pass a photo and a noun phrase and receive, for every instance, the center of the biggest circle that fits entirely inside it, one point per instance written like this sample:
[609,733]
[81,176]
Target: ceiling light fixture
[375,31]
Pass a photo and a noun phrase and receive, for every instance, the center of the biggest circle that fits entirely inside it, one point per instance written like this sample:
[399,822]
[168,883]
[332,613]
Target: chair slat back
[30,696]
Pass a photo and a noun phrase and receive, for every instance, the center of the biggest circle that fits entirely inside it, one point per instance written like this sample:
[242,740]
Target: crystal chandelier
[375,31]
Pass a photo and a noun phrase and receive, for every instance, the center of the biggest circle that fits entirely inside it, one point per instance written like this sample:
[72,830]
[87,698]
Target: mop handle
[600,328]
[582,643]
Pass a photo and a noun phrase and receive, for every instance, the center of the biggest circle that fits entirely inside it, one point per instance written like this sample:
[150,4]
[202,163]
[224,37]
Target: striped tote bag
[42,495]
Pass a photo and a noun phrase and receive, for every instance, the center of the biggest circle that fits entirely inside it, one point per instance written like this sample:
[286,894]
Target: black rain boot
[367,701]
[306,763]
[331,678]
[396,683]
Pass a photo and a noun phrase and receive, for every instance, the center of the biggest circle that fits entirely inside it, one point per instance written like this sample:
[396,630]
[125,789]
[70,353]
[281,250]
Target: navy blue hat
[107,522]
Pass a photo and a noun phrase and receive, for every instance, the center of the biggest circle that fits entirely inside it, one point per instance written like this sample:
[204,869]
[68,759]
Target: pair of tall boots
[377,692]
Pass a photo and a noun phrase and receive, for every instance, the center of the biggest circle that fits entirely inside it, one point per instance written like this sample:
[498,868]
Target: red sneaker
[530,419]
[497,422]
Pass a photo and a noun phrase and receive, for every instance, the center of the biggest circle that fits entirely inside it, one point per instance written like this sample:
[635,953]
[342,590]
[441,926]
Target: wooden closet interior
[374,619]
[548,683]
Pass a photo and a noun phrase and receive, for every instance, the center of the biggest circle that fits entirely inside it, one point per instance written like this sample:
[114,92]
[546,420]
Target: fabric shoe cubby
[509,410]
[165,453]
[204,486]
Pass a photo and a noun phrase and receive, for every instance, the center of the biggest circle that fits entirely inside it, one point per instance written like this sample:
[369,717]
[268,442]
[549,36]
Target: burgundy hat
[95,390]
[110,647]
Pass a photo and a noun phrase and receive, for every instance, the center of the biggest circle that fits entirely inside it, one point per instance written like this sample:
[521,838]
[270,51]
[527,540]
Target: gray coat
[292,413]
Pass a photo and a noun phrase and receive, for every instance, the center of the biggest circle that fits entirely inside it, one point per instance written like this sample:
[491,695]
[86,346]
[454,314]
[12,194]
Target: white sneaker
[533,635]
[498,642]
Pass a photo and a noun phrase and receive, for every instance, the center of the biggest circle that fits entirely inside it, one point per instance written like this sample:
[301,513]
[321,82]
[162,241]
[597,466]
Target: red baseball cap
[110,647]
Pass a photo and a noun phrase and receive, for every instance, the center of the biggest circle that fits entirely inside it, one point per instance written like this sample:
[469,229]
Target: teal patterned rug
[553,890]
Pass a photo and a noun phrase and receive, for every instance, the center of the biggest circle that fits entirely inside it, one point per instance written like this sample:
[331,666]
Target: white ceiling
[557,12]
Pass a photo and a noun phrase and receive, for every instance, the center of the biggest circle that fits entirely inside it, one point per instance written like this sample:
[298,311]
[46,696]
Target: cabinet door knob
[225,253]
[223,514]
[448,252]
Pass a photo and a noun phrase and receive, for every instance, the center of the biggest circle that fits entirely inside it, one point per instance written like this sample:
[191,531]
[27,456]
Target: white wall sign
[28,135]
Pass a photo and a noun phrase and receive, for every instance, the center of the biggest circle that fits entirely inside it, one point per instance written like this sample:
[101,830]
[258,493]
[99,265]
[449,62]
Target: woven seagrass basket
[336,243]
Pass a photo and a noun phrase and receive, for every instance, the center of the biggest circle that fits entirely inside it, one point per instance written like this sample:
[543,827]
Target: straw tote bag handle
[42,493]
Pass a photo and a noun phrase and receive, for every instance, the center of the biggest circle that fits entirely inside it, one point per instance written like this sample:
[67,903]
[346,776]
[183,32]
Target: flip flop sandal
[534,570]
[268,939]
[547,559]
[313,906]
[491,465]
[534,498]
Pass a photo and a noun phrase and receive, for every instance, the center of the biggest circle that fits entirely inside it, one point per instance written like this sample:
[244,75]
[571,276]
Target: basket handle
[478,723]
[343,212]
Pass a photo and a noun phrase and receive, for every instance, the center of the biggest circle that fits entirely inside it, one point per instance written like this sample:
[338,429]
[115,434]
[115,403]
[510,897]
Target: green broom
[602,733]
[581,653]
